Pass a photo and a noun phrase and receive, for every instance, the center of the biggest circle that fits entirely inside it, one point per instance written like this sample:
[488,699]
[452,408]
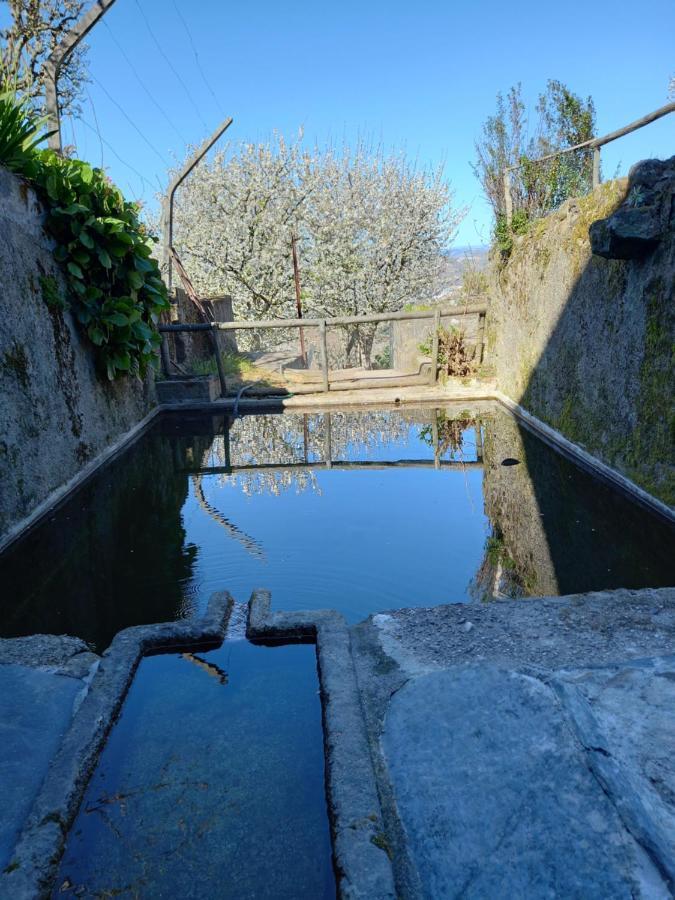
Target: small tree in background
[561,119]
[37,27]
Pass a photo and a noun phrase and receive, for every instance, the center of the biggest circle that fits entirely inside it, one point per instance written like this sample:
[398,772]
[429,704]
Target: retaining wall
[57,414]
[585,341]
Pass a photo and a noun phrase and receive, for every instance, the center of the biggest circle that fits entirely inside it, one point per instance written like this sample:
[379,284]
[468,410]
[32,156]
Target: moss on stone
[15,362]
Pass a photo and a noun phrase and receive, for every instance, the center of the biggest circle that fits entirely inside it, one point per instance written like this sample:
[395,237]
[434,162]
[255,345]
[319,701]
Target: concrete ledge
[585,459]
[36,856]
[359,846]
[86,472]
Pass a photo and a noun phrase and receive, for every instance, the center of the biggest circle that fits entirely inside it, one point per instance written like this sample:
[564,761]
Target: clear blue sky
[422,76]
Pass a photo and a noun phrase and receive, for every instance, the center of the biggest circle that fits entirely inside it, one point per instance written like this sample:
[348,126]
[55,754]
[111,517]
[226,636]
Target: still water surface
[415,509]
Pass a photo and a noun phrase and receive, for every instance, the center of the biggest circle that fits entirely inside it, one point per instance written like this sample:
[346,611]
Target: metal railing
[337,382]
[593,144]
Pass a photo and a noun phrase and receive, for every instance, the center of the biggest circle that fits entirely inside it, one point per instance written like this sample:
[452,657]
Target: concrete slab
[36,708]
[495,796]
[525,747]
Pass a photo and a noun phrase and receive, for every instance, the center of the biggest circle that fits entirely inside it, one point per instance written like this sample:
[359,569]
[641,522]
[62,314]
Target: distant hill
[455,262]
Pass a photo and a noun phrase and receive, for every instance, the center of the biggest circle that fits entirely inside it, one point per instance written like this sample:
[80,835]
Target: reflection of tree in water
[448,434]
[295,438]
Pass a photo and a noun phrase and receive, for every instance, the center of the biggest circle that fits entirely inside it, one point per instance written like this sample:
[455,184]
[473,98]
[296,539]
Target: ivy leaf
[87,239]
[104,258]
[75,270]
[135,280]
[96,336]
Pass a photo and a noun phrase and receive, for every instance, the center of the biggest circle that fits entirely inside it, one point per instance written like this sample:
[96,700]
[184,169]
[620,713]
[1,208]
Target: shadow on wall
[583,331]
[584,324]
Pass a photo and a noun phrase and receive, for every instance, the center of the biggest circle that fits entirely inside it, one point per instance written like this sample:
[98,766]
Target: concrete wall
[57,415]
[584,341]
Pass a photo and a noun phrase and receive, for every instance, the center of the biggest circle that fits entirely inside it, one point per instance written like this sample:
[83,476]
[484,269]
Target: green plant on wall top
[21,130]
[116,292]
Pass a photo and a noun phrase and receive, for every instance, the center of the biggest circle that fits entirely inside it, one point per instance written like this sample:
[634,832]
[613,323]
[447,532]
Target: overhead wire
[197,60]
[142,82]
[116,154]
[131,121]
[170,64]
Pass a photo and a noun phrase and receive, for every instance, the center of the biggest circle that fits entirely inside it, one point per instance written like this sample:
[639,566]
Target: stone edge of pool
[360,854]
[33,865]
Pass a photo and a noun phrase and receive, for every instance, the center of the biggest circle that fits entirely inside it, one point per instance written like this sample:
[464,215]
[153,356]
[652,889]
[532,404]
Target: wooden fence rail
[593,144]
[435,314]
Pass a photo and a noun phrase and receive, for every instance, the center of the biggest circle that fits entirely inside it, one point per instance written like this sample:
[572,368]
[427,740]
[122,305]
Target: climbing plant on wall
[115,292]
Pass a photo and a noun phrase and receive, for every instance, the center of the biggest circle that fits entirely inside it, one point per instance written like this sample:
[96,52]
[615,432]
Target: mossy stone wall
[586,343]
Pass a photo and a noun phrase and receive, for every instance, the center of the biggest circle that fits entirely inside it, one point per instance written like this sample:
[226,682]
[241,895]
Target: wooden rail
[593,144]
[435,314]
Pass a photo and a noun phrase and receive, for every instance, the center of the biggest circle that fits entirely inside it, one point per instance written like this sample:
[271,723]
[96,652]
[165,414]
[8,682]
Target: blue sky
[420,76]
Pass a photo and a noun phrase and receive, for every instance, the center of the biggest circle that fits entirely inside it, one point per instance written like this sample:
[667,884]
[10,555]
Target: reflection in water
[359,511]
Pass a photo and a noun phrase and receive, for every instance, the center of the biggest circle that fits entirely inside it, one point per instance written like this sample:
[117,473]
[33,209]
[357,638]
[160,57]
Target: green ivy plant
[116,291]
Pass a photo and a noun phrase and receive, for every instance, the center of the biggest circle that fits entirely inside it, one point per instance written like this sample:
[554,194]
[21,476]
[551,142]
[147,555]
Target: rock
[639,224]
[495,795]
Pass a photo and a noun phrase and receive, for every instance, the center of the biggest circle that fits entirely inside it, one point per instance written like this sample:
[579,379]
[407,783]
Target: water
[199,505]
[194,796]
[212,780]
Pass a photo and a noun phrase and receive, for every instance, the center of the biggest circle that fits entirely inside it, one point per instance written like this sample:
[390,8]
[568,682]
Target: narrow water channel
[211,783]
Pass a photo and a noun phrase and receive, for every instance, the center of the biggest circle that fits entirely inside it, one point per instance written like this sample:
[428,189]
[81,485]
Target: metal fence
[331,354]
[592,146]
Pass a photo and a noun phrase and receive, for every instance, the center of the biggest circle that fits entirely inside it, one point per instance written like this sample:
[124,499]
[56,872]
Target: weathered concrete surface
[584,342]
[34,858]
[525,747]
[56,413]
[360,849]
[42,678]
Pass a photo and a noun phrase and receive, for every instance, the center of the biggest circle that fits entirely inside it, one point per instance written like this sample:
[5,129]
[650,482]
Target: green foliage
[51,293]
[562,120]
[116,291]
[21,130]
[504,233]
[454,358]
[383,360]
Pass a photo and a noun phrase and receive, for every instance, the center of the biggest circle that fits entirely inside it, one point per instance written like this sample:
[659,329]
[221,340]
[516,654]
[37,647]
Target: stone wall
[585,341]
[57,414]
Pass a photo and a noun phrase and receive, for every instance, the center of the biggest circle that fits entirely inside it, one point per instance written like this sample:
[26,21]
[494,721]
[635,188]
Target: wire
[98,130]
[116,154]
[141,82]
[130,120]
[170,64]
[199,65]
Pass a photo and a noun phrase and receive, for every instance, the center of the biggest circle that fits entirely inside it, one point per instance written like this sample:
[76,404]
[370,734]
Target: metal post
[328,450]
[480,338]
[298,299]
[479,441]
[55,61]
[167,201]
[596,167]
[219,363]
[508,199]
[434,440]
[433,376]
[166,359]
[324,353]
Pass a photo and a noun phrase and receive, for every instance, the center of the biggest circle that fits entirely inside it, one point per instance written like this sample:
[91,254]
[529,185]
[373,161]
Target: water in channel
[211,782]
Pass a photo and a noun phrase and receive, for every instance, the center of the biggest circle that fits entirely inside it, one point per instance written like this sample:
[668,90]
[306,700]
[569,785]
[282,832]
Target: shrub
[116,291]
[453,355]
[21,130]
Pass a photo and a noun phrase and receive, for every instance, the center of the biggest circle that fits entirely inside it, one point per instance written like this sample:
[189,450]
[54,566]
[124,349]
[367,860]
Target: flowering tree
[370,228]
[36,29]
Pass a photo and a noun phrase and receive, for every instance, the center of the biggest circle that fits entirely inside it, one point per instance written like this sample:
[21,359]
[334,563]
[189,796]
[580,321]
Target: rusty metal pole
[55,61]
[298,299]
